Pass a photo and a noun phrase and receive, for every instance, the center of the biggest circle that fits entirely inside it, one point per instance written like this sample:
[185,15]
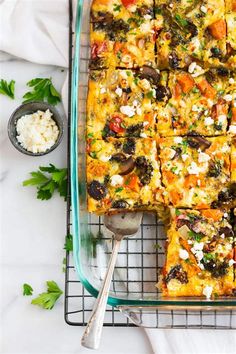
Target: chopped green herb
[120,189]
[48,299]
[208,257]
[195,90]
[150,94]
[90,135]
[27,290]
[93,154]
[197,237]
[116,7]
[7,89]
[174,169]
[68,246]
[177,212]
[46,184]
[42,90]
[181,21]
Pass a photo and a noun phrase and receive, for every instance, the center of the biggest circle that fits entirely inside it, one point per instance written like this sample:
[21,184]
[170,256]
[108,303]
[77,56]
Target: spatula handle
[93,330]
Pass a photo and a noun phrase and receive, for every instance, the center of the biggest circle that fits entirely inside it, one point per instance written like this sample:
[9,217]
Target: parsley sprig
[7,89]
[42,90]
[48,299]
[27,290]
[47,184]
[68,246]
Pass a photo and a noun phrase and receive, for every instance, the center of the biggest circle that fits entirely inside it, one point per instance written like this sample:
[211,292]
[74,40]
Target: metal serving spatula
[122,224]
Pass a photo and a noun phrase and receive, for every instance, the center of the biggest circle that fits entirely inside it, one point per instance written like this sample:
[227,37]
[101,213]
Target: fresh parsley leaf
[7,89]
[47,300]
[177,212]
[27,290]
[54,179]
[42,90]
[116,7]
[195,236]
[119,189]
[181,21]
[68,246]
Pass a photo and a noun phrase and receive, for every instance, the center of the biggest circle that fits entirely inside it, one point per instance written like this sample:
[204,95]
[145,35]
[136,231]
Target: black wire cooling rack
[79,303]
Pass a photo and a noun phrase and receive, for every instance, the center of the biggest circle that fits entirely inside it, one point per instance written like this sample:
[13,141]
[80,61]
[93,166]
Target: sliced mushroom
[127,166]
[197,141]
[97,190]
[119,157]
[149,73]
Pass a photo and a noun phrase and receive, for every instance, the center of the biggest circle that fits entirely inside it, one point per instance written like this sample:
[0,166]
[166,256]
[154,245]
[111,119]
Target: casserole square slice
[121,102]
[231,30]
[122,33]
[123,174]
[190,30]
[194,169]
[197,104]
[199,260]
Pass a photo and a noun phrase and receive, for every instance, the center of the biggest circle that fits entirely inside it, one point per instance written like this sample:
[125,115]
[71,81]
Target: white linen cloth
[37,31]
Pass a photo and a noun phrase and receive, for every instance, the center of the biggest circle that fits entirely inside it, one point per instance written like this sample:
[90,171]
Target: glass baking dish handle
[179,316]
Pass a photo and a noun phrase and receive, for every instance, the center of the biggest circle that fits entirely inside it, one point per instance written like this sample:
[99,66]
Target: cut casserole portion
[121,102]
[123,174]
[190,31]
[194,169]
[197,104]
[200,259]
[122,33]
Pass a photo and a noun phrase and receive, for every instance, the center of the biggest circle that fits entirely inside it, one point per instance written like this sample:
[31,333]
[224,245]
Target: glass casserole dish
[141,258]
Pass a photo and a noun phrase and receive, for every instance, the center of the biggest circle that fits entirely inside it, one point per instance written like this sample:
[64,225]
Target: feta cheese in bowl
[35,128]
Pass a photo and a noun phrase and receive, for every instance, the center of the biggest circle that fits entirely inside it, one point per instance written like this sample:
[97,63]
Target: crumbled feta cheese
[145,123]
[147,17]
[198,71]
[202,157]
[104,158]
[172,153]
[116,180]
[207,291]
[143,135]
[198,246]
[126,59]
[231,81]
[231,262]
[132,8]
[183,254]
[203,9]
[210,102]
[146,27]
[119,91]
[195,108]
[228,98]
[123,74]
[139,111]
[222,119]
[182,104]
[178,140]
[225,148]
[226,215]
[208,121]
[232,129]
[222,236]
[171,5]
[192,67]
[201,266]
[184,157]
[128,110]
[193,169]
[37,132]
[103,90]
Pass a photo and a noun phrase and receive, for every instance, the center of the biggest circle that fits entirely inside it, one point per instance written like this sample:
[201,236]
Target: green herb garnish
[48,299]
[68,246]
[116,7]
[197,237]
[47,184]
[7,89]
[177,212]
[27,290]
[181,21]
[42,90]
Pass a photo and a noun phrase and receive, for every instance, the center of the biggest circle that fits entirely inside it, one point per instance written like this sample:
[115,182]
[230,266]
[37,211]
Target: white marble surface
[32,237]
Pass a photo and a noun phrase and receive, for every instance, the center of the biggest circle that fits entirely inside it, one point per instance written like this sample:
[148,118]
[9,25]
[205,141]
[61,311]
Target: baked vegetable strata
[123,174]
[161,126]
[198,103]
[122,33]
[194,169]
[190,30]
[122,102]
[200,258]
